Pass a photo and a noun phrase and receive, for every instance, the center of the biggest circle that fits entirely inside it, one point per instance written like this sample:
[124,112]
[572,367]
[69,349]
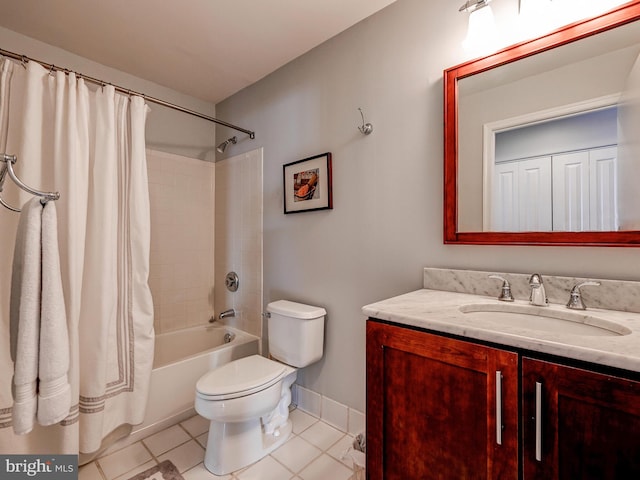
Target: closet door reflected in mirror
[539,139]
[565,192]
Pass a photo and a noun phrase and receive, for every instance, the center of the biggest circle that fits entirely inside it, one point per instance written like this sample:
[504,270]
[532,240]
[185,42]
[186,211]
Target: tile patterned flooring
[314,452]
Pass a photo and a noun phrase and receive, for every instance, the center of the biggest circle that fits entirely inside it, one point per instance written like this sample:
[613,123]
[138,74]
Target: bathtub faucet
[227,313]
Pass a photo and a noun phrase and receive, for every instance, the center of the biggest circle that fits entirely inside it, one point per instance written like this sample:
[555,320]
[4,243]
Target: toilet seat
[240,378]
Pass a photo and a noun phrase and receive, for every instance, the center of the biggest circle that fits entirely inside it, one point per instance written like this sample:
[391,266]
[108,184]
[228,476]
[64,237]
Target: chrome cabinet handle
[538,421]
[499,407]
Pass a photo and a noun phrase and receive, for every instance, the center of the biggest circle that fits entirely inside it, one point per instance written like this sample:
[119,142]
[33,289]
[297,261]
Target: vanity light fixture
[537,17]
[481,32]
[474,5]
[527,6]
[221,148]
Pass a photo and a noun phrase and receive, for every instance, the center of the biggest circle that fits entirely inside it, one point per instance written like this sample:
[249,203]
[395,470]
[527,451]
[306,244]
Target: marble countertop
[439,311]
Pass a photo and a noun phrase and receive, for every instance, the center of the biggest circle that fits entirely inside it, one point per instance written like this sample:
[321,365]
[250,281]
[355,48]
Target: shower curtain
[89,146]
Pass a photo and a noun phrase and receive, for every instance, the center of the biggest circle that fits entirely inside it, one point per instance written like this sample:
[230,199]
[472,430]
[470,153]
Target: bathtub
[180,359]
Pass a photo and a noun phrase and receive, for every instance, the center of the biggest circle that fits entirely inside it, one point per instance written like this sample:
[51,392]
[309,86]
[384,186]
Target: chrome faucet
[538,295]
[575,297]
[227,313]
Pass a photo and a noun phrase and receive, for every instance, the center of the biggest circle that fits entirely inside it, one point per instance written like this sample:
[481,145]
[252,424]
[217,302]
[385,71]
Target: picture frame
[308,184]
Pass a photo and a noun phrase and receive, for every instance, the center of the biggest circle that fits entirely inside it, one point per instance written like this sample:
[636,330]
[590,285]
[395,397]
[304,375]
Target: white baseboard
[344,418]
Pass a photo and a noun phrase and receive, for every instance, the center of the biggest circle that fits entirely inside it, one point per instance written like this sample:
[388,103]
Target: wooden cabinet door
[432,405]
[588,424]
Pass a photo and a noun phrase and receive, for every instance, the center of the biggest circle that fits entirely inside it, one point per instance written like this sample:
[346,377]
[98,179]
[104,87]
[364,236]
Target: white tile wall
[356,422]
[334,413]
[181,276]
[238,238]
[308,400]
[184,195]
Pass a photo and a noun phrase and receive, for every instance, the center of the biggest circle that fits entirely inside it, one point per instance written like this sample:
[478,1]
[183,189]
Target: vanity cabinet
[434,406]
[442,408]
[578,424]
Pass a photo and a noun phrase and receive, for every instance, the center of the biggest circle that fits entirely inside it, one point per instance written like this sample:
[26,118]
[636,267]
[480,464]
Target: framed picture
[307,184]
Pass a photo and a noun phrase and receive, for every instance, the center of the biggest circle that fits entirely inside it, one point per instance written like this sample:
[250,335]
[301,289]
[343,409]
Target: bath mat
[163,471]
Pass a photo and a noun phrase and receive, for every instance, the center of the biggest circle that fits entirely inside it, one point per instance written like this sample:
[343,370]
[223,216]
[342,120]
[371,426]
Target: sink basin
[545,319]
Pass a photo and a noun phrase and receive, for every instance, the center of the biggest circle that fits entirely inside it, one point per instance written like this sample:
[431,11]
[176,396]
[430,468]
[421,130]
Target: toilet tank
[296,332]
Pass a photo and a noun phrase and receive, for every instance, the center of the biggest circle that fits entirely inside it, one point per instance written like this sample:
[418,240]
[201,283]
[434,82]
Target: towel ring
[9,160]
[3,173]
[9,207]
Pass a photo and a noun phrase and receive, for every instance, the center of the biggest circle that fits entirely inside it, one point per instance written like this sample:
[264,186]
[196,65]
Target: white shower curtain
[89,146]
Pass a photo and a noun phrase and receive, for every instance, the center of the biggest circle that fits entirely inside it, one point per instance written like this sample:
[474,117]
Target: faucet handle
[505,293]
[575,297]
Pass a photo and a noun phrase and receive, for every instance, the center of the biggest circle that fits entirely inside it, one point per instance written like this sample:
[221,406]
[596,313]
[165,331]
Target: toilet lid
[240,376]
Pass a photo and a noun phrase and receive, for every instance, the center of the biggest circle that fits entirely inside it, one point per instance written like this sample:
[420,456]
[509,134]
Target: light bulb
[482,35]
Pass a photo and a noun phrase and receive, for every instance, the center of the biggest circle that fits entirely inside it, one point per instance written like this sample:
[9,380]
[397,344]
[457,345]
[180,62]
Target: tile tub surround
[610,295]
[238,239]
[439,310]
[181,193]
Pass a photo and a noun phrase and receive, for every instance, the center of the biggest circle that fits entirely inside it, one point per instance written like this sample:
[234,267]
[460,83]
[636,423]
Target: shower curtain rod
[51,67]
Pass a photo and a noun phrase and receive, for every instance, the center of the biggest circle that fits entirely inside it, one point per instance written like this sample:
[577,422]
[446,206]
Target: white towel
[38,328]
[54,391]
[25,316]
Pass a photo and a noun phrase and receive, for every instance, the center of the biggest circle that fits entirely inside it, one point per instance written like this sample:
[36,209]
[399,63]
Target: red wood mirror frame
[624,14]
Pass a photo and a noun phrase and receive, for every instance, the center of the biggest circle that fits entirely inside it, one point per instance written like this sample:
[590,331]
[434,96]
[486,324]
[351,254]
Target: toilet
[247,400]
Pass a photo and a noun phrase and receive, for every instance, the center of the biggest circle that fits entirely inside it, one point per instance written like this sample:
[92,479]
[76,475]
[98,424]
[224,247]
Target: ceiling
[209,49]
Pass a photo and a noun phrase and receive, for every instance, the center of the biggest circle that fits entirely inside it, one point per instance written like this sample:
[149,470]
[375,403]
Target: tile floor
[314,452]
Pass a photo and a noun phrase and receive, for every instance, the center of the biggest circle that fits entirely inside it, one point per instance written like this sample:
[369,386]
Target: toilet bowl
[247,400]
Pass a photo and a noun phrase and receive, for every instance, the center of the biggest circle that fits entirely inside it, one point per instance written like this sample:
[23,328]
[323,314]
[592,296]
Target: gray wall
[386,224]
[167,130]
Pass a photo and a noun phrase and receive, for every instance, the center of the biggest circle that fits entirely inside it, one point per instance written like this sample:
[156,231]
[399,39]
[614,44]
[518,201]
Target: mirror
[537,142]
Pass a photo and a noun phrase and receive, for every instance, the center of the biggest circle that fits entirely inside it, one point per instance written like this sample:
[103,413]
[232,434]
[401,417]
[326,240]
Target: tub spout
[227,313]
